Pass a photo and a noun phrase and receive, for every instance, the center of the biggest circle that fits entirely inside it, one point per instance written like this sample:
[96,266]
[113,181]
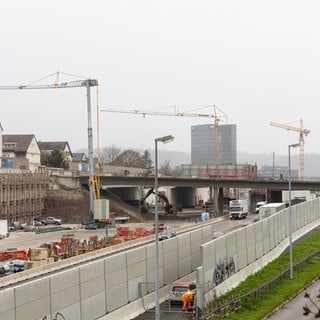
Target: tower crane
[302,132]
[218,114]
[87,83]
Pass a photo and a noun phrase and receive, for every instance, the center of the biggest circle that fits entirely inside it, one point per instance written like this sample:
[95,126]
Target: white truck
[271,208]
[238,209]
[259,204]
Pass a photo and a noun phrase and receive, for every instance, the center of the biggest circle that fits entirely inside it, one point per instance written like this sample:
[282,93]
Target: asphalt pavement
[293,309]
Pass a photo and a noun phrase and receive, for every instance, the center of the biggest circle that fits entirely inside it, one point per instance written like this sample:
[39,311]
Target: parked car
[166,234]
[37,222]
[51,220]
[179,289]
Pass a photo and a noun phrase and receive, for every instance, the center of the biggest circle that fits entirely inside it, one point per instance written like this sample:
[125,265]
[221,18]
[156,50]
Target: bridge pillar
[215,200]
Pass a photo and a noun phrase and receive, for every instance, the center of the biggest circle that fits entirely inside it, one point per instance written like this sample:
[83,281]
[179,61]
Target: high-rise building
[203,142]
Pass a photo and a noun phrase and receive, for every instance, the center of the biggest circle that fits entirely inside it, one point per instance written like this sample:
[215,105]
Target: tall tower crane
[217,115]
[302,132]
[87,83]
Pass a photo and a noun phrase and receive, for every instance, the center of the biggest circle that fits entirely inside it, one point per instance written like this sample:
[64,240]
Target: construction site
[70,244]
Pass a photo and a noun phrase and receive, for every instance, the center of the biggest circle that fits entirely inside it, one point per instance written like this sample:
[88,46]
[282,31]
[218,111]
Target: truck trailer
[238,209]
[271,208]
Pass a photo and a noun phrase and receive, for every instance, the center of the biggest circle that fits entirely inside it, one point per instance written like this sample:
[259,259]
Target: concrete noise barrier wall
[102,288]
[98,288]
[245,251]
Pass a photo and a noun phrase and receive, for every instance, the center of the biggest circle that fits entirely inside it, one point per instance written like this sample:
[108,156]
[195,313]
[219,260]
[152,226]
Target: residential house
[79,162]
[49,146]
[20,151]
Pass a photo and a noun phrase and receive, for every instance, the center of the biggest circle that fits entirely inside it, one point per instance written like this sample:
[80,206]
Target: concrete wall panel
[196,242]
[136,255]
[133,286]
[282,225]
[65,280]
[26,293]
[251,244]
[184,266]
[33,309]
[92,287]
[7,301]
[67,296]
[241,257]
[116,277]
[209,254]
[184,253]
[258,239]
[70,312]
[220,249]
[116,262]
[170,273]
[150,258]
[8,315]
[276,230]
[117,297]
[207,234]
[231,243]
[266,235]
[93,307]
[272,232]
[92,270]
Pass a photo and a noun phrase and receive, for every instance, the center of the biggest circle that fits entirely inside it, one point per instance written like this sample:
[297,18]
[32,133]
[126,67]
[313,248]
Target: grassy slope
[259,308]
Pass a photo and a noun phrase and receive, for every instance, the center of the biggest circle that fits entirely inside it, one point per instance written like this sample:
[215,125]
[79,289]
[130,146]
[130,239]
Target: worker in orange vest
[187,299]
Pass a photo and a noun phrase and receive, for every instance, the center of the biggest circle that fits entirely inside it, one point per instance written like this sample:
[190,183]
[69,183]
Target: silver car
[166,234]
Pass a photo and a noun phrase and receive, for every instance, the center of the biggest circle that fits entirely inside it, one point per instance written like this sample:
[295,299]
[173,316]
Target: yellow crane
[302,132]
[217,114]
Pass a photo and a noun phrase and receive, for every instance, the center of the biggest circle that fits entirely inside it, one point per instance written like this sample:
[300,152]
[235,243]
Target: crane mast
[87,83]
[214,115]
[302,132]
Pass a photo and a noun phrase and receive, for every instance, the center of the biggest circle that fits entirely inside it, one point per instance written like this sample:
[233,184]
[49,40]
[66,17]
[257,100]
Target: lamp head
[295,145]
[165,139]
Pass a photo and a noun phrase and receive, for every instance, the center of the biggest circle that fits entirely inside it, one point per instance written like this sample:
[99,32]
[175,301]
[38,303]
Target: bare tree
[130,158]
[109,154]
[165,168]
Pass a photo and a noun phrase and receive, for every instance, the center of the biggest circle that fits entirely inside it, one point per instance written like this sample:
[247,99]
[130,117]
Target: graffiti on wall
[223,270]
[58,316]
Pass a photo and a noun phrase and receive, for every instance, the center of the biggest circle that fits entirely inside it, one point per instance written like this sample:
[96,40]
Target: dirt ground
[73,206]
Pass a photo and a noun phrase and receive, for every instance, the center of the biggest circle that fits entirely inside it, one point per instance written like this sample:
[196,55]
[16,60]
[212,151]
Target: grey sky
[258,61]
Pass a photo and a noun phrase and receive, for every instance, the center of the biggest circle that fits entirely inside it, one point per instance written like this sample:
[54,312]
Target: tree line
[111,155]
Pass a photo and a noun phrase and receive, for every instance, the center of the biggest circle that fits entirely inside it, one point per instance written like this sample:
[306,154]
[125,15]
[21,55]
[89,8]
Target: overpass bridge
[129,181]
[183,191]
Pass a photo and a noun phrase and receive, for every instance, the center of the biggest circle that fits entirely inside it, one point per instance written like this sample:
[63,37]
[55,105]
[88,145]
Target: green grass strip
[258,308]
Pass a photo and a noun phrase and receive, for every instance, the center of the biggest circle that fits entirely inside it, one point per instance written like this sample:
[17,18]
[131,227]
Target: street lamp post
[290,210]
[164,139]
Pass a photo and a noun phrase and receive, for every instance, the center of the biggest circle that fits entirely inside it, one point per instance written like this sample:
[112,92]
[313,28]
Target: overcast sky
[258,61]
